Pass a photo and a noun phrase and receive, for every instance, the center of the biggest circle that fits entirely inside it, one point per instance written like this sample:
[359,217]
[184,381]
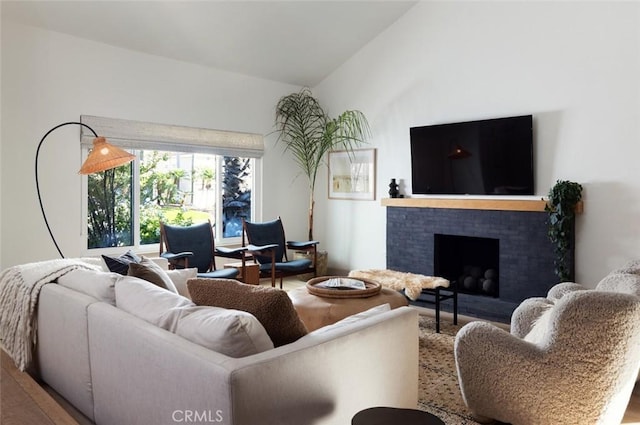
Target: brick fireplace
[524,258]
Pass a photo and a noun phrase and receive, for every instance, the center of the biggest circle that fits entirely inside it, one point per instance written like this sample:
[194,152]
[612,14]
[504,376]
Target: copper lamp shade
[104,156]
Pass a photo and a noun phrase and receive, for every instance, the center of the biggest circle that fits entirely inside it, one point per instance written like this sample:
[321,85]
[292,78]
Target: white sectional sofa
[118,369]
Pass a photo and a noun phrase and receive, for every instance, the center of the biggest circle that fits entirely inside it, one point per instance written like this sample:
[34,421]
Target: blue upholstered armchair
[194,246]
[268,245]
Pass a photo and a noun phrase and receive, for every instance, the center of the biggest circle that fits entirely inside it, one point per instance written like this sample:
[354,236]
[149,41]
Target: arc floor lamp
[103,156]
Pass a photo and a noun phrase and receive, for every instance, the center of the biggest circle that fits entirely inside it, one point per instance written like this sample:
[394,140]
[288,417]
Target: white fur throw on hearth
[410,282]
[19,290]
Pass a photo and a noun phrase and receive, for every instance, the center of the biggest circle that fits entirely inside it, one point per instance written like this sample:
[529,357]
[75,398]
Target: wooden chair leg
[273,268]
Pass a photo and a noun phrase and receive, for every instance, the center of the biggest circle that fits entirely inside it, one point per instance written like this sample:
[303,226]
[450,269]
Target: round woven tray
[372,288]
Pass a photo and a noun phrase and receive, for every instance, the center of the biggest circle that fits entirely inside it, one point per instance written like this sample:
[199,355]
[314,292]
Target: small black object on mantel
[393,189]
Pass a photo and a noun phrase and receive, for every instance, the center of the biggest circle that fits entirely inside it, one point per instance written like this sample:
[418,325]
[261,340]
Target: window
[184,185]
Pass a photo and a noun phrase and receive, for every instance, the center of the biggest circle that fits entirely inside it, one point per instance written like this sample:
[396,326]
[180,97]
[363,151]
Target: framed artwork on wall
[352,175]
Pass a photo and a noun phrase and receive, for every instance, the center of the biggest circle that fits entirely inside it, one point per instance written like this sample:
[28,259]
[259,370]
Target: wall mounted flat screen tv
[486,157]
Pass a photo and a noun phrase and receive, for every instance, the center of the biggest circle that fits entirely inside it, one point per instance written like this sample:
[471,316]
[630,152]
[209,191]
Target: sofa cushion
[179,278]
[121,264]
[149,302]
[271,306]
[151,272]
[98,284]
[231,332]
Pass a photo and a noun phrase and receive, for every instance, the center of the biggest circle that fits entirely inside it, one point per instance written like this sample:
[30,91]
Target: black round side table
[394,416]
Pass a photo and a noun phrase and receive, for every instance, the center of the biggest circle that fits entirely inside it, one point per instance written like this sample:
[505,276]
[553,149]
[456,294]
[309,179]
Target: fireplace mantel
[536,205]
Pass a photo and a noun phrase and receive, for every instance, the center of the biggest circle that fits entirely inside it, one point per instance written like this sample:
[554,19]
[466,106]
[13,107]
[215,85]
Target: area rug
[438,391]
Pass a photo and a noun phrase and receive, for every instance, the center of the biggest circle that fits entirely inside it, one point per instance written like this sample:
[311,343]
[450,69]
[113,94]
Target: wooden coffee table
[394,416]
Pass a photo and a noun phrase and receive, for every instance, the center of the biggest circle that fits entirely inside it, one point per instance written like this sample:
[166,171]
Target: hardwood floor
[24,402]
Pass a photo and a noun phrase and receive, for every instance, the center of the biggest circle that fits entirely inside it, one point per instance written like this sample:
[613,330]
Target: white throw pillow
[98,284]
[150,302]
[179,278]
[231,332]
[541,327]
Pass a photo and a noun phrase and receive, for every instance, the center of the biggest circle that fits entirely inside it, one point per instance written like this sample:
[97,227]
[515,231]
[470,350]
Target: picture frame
[352,174]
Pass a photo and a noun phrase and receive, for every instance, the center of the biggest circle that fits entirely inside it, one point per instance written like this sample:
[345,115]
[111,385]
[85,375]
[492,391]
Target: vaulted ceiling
[295,42]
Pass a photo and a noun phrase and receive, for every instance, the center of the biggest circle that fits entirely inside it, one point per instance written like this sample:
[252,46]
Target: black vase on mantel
[393,189]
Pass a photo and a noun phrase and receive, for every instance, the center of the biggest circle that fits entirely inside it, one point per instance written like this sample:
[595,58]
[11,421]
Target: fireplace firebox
[472,262]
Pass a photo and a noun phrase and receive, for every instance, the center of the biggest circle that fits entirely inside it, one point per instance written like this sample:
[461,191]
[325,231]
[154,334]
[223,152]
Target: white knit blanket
[411,283]
[19,290]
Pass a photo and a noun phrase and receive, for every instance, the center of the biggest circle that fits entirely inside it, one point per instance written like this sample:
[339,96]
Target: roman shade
[164,137]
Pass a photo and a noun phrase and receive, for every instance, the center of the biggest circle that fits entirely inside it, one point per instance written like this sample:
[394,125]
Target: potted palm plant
[309,133]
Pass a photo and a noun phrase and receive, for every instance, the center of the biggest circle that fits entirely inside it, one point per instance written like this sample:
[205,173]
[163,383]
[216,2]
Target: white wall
[49,78]
[1,144]
[574,65]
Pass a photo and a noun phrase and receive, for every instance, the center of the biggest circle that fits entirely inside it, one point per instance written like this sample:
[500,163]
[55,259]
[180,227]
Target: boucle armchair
[577,364]
[625,280]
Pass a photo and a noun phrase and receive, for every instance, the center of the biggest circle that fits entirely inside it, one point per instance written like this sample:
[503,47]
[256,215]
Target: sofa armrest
[484,352]
[327,377]
[142,374]
[63,345]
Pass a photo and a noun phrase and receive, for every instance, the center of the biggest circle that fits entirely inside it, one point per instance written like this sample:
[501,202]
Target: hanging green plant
[561,206]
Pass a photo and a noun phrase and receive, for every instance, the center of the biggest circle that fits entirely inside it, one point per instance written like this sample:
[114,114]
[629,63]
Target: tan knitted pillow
[272,307]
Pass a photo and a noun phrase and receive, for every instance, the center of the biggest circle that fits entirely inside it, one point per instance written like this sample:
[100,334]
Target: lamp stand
[102,157]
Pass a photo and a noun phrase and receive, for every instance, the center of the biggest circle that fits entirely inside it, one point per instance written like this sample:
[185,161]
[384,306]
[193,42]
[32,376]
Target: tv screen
[486,157]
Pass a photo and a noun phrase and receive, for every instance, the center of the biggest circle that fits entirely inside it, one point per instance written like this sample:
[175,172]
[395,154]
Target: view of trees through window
[172,187]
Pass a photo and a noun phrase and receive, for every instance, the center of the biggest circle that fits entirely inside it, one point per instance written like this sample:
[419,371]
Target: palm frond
[309,133]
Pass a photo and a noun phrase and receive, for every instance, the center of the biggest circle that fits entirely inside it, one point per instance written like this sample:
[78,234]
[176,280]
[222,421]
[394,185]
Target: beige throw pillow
[230,332]
[271,306]
[149,302]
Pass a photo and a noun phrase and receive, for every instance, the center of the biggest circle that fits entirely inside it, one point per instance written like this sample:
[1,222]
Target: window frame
[133,135]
